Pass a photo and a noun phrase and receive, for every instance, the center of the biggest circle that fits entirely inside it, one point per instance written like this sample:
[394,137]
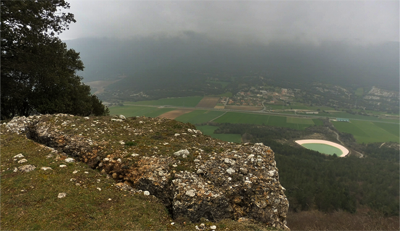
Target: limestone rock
[226,181]
[26,168]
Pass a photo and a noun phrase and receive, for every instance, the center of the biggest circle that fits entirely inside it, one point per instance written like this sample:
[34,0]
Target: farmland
[208,102]
[179,102]
[279,121]
[209,130]
[367,131]
[130,111]
[175,113]
[199,116]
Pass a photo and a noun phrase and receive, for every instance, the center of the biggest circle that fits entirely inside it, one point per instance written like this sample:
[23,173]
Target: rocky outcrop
[194,175]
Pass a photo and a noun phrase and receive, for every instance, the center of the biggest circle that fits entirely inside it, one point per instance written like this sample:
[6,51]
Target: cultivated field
[209,130]
[223,84]
[130,111]
[191,101]
[208,102]
[199,116]
[369,132]
[279,121]
[174,114]
[99,86]
[296,120]
[244,108]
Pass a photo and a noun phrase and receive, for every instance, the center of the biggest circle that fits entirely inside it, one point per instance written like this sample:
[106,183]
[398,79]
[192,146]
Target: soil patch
[244,108]
[174,114]
[208,102]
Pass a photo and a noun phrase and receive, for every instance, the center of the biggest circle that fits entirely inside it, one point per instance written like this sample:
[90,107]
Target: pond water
[323,148]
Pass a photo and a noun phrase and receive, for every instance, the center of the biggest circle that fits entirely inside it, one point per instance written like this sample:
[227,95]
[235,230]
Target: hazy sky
[242,21]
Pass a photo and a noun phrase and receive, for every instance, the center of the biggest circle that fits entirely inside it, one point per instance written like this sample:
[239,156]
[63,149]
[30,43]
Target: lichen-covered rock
[194,175]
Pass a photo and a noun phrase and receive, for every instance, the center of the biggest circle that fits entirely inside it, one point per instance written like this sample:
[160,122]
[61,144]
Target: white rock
[122,142]
[122,117]
[74,172]
[182,152]
[86,117]
[134,154]
[146,193]
[26,168]
[98,188]
[15,169]
[62,195]
[22,161]
[18,156]
[63,166]
[69,160]
[119,160]
[190,193]
[271,173]
[177,134]
[213,227]
[46,168]
[230,170]
[199,171]
[106,159]
[229,161]
[190,130]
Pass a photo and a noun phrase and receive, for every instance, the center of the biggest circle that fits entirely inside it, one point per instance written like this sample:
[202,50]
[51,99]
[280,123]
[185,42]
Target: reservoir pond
[323,148]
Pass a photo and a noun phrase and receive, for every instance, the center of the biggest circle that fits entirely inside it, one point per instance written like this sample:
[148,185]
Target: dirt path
[217,117]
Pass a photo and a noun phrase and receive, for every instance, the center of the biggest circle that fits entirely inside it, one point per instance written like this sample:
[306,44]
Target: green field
[130,111]
[226,94]
[199,116]
[359,91]
[223,84]
[209,130]
[296,106]
[191,101]
[296,120]
[279,121]
[369,132]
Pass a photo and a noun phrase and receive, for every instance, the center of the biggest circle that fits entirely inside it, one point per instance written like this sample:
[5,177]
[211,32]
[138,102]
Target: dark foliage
[329,183]
[38,71]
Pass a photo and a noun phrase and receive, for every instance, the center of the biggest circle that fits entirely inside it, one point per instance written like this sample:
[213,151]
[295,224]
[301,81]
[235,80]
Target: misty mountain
[330,62]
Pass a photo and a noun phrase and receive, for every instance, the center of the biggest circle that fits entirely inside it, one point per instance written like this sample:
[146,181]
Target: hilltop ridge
[195,176]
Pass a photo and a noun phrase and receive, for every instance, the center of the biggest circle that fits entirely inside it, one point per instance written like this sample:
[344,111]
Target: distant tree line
[38,72]
[328,183]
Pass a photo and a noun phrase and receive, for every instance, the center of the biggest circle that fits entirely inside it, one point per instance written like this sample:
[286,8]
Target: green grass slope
[29,200]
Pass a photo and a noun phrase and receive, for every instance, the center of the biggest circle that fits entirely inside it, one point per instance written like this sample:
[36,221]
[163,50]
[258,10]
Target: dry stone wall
[194,175]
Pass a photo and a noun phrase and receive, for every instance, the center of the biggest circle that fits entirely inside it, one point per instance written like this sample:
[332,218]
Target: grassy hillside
[93,200]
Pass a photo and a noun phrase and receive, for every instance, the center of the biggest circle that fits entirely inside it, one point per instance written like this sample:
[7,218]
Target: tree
[38,71]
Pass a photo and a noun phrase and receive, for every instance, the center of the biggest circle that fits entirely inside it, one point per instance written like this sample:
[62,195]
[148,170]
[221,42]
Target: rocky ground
[196,177]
